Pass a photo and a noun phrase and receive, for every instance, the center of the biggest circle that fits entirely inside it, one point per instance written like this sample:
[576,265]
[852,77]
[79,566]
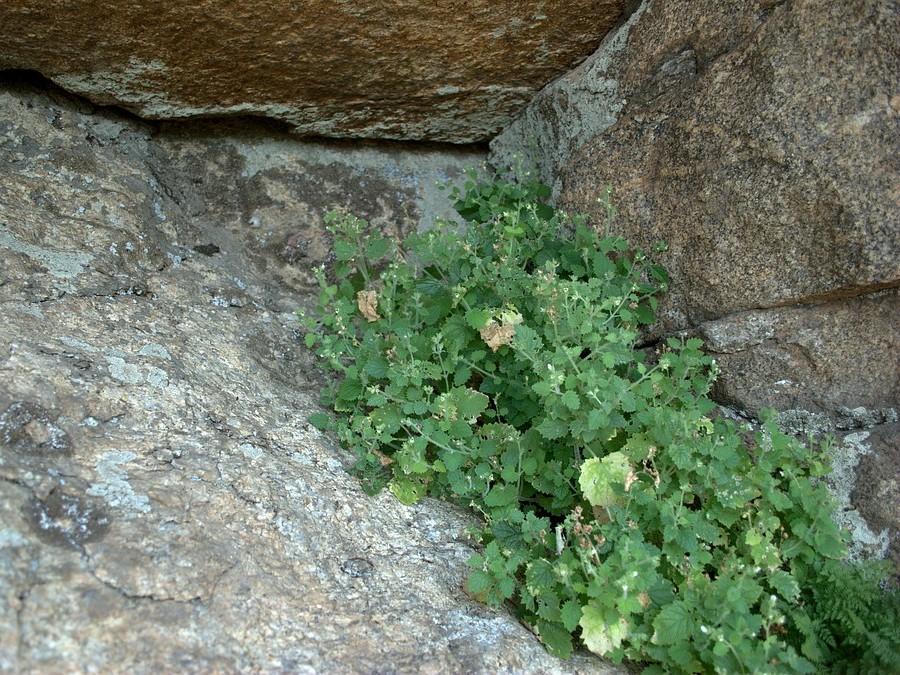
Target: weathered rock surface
[877,485]
[453,71]
[759,139]
[818,357]
[164,506]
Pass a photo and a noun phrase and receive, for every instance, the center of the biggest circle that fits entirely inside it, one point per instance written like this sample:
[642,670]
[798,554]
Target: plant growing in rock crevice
[498,367]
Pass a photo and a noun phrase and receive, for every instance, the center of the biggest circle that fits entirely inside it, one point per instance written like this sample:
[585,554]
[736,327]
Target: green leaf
[571,615]
[344,250]
[540,576]
[599,475]
[552,428]
[376,247]
[501,495]
[673,624]
[597,419]
[571,401]
[507,535]
[470,403]
[785,585]
[406,490]
[478,318]
[411,457]
[388,417]
[350,390]
[479,582]
[320,421]
[455,333]
[541,387]
[556,638]
[377,366]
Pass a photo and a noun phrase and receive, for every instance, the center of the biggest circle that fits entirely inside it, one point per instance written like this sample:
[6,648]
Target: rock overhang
[454,72]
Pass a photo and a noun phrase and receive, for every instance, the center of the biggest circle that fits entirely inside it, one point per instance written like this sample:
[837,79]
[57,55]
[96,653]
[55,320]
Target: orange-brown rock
[456,70]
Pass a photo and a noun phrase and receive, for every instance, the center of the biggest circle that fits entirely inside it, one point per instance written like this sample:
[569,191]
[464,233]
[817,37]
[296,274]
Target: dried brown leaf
[368,305]
[496,335]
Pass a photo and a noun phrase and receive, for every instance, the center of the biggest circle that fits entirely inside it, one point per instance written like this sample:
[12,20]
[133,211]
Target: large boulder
[759,140]
[164,505]
[455,71]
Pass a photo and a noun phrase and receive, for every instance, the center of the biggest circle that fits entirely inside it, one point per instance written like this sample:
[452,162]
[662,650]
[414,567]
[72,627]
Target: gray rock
[876,490]
[164,505]
[819,357]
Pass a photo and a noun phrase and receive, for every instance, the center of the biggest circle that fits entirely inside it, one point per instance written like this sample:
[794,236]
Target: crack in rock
[137,597]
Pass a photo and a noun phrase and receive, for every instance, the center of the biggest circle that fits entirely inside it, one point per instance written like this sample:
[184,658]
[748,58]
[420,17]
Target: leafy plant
[499,367]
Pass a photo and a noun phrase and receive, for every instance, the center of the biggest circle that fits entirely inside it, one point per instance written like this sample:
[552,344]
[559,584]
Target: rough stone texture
[453,71]
[864,472]
[759,139]
[164,506]
[821,357]
[877,486]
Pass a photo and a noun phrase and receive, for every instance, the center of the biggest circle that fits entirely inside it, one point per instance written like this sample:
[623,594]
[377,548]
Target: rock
[164,504]
[452,71]
[809,356]
[877,486]
[862,448]
[759,140]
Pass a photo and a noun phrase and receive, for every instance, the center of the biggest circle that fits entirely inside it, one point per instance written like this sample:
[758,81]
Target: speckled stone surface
[877,486]
[164,505]
[820,357]
[759,140]
[455,71]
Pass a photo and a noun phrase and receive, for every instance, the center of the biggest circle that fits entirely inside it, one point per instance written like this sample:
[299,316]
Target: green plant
[499,367]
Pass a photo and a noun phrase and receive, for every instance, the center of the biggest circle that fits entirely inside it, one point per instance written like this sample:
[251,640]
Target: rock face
[163,503]
[877,485]
[453,71]
[758,139]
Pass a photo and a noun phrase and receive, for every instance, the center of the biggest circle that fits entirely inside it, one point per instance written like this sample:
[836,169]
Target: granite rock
[819,357]
[164,504]
[759,140]
[453,71]
[876,492]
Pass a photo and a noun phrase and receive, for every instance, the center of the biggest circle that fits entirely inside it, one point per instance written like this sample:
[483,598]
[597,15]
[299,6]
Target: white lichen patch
[157,377]
[58,264]
[124,372]
[155,350]
[842,479]
[114,487]
[129,373]
[11,539]
[250,451]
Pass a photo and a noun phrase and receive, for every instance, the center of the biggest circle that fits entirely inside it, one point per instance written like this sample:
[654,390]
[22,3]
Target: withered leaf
[495,335]
[368,305]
